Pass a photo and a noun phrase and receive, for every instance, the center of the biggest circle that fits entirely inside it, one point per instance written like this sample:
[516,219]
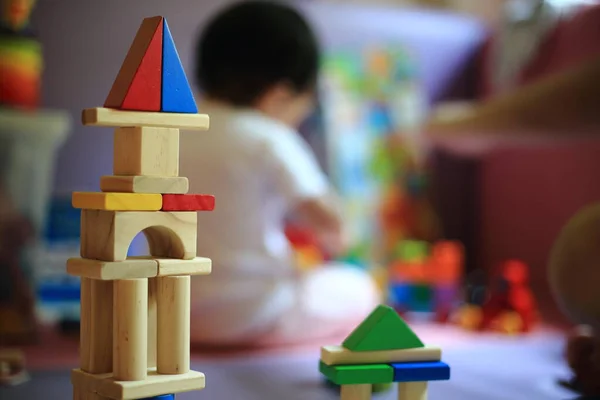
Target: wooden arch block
[106,235]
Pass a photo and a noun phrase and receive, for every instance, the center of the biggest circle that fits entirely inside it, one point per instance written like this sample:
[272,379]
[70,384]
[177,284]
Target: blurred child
[257,66]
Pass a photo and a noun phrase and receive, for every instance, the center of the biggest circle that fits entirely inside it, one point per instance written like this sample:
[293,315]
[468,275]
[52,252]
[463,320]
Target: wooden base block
[338,355]
[355,392]
[144,184]
[154,385]
[117,201]
[412,391]
[106,235]
[112,270]
[188,202]
[101,116]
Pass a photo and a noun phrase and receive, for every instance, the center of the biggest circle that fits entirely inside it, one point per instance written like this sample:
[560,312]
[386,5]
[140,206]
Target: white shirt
[257,169]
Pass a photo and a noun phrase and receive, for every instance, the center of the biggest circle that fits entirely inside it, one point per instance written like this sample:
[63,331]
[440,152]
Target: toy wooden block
[96,330]
[154,385]
[138,83]
[173,334]
[188,202]
[130,334]
[173,266]
[117,201]
[118,118]
[421,371]
[357,374]
[106,235]
[373,334]
[176,93]
[146,151]
[412,391]
[355,392]
[338,355]
[112,270]
[144,184]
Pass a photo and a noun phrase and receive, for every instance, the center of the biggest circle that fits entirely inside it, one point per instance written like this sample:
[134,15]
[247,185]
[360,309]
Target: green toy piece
[383,329]
[357,374]
[413,250]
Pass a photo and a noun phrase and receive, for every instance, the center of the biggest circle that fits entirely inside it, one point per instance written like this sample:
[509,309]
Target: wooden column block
[173,335]
[412,391]
[355,392]
[106,235]
[152,322]
[130,337]
[96,326]
[146,151]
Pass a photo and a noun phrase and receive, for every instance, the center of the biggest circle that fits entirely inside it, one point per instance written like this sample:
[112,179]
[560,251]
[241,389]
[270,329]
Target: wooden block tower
[135,311]
[383,349]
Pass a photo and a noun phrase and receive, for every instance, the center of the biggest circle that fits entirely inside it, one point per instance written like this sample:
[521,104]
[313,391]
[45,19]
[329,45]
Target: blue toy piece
[176,95]
[161,397]
[421,371]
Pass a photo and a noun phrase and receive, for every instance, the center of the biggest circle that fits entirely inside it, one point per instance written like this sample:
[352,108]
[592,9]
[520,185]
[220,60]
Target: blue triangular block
[177,96]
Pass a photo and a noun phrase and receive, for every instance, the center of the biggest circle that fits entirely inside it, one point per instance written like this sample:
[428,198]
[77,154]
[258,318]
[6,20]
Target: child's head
[262,55]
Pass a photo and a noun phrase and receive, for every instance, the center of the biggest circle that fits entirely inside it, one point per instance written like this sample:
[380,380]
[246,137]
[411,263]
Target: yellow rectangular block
[153,385]
[146,151]
[338,355]
[145,184]
[112,270]
[117,201]
[102,116]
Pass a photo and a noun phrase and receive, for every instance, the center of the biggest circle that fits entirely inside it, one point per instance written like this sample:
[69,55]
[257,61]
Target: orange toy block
[138,84]
[188,202]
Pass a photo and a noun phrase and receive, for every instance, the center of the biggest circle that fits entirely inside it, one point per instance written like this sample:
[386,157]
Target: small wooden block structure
[389,351]
[135,312]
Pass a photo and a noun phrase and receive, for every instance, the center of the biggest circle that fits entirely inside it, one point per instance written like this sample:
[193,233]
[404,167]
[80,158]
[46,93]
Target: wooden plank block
[96,326]
[173,335]
[412,391]
[154,385]
[130,336]
[118,118]
[357,374]
[338,355]
[112,270]
[139,78]
[421,371]
[383,329]
[355,392]
[176,92]
[106,235]
[144,184]
[152,322]
[146,151]
[172,266]
[188,202]
[117,201]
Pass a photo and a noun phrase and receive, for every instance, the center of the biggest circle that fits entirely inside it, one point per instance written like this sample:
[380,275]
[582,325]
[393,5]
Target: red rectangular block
[188,202]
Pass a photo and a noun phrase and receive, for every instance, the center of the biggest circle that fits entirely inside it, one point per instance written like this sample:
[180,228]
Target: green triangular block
[383,329]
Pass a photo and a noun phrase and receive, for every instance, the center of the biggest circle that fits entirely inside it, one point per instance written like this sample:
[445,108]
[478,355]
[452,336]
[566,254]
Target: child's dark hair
[253,45]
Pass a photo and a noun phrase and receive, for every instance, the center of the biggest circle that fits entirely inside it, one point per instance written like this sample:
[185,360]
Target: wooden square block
[106,235]
[144,184]
[146,151]
[117,201]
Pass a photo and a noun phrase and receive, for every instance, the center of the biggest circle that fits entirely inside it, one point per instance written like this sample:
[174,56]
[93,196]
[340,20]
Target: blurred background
[427,214]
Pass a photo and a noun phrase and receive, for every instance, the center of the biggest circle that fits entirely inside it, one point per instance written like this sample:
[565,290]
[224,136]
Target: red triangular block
[138,85]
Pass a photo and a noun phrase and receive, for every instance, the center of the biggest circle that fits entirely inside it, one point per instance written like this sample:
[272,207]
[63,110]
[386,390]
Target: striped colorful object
[21,66]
